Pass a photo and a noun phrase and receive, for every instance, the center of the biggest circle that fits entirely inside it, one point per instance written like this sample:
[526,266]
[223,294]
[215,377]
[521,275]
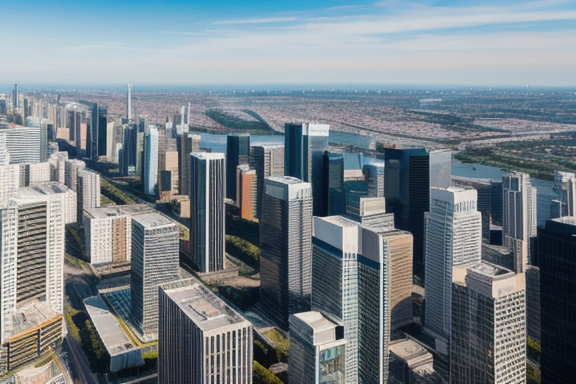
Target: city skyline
[320,42]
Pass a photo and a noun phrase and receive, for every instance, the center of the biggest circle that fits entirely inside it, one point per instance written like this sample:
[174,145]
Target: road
[78,358]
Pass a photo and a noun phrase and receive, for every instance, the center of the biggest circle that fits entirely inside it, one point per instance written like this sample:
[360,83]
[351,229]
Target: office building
[453,239]
[129,103]
[484,189]
[237,153]
[88,191]
[351,285]
[168,176]
[533,304]
[371,211]
[15,97]
[151,161]
[189,143]
[286,247]
[25,144]
[557,262]
[411,363]
[267,160]
[128,156]
[488,341]
[155,261]
[92,130]
[207,211]
[102,141]
[409,175]
[519,217]
[108,232]
[374,176]
[201,339]
[246,191]
[333,183]
[71,169]
[317,350]
[304,148]
[565,188]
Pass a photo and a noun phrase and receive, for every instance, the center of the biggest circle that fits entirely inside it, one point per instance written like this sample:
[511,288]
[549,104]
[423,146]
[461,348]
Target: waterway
[217,143]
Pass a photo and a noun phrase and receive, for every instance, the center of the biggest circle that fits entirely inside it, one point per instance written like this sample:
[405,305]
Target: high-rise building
[237,153]
[351,285]
[128,157]
[304,148]
[246,191]
[201,339]
[565,188]
[108,232]
[92,132]
[168,176]
[484,188]
[155,261]
[15,96]
[519,217]
[151,161]
[102,143]
[410,173]
[88,191]
[286,247]
[317,350]
[267,160]
[333,183]
[374,176]
[71,169]
[207,211]
[453,239]
[371,211]
[129,103]
[189,143]
[488,342]
[556,259]
[25,144]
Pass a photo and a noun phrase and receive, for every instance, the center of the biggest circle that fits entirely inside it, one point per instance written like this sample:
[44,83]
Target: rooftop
[204,308]
[153,220]
[209,155]
[490,270]
[285,179]
[571,220]
[29,316]
[315,320]
[118,210]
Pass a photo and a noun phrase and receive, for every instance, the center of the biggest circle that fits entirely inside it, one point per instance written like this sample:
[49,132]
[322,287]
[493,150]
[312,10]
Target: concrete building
[88,191]
[237,153]
[108,232]
[57,162]
[453,239]
[519,217]
[557,262]
[151,161]
[246,191]
[286,247]
[168,177]
[351,285]
[267,160]
[488,341]
[207,211]
[71,169]
[201,339]
[371,211]
[304,145]
[317,350]
[25,144]
[484,189]
[129,103]
[155,261]
[374,176]
[410,363]
[189,143]
[333,192]
[565,188]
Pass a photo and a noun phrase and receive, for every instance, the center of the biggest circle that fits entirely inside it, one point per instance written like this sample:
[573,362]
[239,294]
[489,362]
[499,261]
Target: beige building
[168,176]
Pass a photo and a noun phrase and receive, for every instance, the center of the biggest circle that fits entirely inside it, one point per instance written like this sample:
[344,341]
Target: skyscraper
[409,175]
[317,350]
[15,96]
[237,153]
[189,143]
[374,176]
[267,160]
[351,285]
[519,217]
[155,261]
[92,133]
[488,343]
[565,188]
[207,210]
[246,191]
[129,146]
[25,144]
[129,103]
[168,176]
[102,142]
[304,148]
[453,239]
[333,183]
[151,161]
[286,247]
[557,262]
[201,339]
[88,191]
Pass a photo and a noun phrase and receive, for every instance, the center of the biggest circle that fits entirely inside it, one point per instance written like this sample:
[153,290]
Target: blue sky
[297,42]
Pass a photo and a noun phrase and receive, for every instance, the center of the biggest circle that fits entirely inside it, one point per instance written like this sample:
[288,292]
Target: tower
[267,160]
[453,239]
[374,176]
[155,261]
[304,146]
[129,103]
[237,153]
[286,247]
[151,161]
[207,210]
[189,143]
[88,191]
[333,194]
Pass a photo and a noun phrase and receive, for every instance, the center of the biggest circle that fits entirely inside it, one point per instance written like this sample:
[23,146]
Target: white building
[88,191]
[151,161]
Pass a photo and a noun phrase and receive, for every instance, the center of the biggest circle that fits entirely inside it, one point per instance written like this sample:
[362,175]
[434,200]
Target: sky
[196,42]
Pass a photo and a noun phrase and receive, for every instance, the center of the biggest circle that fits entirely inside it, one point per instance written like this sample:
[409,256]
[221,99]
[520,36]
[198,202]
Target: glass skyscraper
[237,153]
[333,194]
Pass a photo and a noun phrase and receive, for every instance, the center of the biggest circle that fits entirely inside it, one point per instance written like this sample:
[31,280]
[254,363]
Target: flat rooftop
[315,320]
[490,270]
[407,349]
[50,188]
[28,316]
[111,334]
[118,210]
[209,155]
[285,179]
[571,220]
[204,308]
[153,220]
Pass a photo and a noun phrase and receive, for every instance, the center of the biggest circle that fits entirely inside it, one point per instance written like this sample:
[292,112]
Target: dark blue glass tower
[333,194]
[237,152]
